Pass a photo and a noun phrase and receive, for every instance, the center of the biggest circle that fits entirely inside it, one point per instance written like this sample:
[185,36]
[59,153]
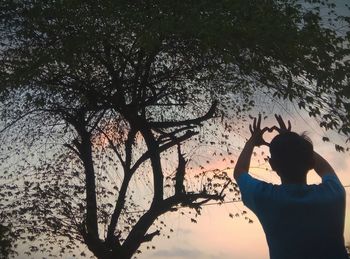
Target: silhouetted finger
[254,124]
[264,130]
[275,128]
[263,142]
[289,126]
[250,128]
[266,143]
[259,122]
[277,119]
[281,122]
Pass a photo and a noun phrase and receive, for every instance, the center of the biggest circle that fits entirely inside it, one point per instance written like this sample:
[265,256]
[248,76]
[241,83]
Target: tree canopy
[136,79]
[281,48]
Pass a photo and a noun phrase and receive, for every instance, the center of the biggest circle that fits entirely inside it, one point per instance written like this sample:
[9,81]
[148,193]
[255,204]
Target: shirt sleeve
[251,188]
[333,184]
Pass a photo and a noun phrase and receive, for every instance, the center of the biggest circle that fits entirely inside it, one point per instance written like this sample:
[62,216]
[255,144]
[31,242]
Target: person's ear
[272,164]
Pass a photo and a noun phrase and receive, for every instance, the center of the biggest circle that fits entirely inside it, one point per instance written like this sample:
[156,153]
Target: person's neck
[294,181]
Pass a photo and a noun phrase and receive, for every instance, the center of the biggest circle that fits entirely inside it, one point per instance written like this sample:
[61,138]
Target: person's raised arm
[321,166]
[243,162]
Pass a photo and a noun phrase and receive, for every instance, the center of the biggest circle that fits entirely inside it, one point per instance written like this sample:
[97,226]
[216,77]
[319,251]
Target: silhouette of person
[300,221]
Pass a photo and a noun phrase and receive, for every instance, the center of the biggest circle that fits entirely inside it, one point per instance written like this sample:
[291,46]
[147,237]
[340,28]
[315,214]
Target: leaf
[325,139]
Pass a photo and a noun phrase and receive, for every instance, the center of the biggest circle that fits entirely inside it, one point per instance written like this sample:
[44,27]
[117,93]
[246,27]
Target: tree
[122,85]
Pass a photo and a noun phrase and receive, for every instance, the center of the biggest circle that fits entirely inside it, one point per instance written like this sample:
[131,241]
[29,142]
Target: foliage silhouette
[7,241]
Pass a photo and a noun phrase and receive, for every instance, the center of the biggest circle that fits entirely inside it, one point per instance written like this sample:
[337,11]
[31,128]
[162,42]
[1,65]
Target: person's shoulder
[252,189]
[245,177]
[248,179]
[247,182]
[331,185]
[331,179]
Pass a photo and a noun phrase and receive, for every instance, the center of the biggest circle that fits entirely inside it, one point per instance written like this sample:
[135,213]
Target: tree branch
[73,149]
[128,147]
[97,121]
[172,134]
[118,209]
[113,147]
[122,193]
[180,172]
[188,199]
[162,148]
[138,233]
[85,150]
[150,236]
[197,121]
[154,156]
[18,119]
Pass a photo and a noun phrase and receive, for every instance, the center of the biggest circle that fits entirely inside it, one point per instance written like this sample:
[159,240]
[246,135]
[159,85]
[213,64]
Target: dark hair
[292,154]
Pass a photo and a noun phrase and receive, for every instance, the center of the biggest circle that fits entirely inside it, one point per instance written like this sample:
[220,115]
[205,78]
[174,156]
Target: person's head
[291,156]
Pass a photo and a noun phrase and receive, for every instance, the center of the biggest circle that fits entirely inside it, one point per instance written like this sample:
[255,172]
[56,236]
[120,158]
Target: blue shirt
[300,221]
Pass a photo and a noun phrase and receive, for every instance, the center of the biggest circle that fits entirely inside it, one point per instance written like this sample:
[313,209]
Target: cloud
[184,253]
[178,253]
[183,231]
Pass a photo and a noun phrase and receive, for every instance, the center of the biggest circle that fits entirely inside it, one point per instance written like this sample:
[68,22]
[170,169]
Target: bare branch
[172,134]
[18,119]
[113,147]
[180,172]
[154,156]
[188,199]
[73,149]
[118,209]
[128,147]
[97,120]
[150,236]
[196,121]
[162,148]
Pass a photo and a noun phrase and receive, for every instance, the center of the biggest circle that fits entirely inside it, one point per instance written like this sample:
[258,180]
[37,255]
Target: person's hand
[282,126]
[257,133]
